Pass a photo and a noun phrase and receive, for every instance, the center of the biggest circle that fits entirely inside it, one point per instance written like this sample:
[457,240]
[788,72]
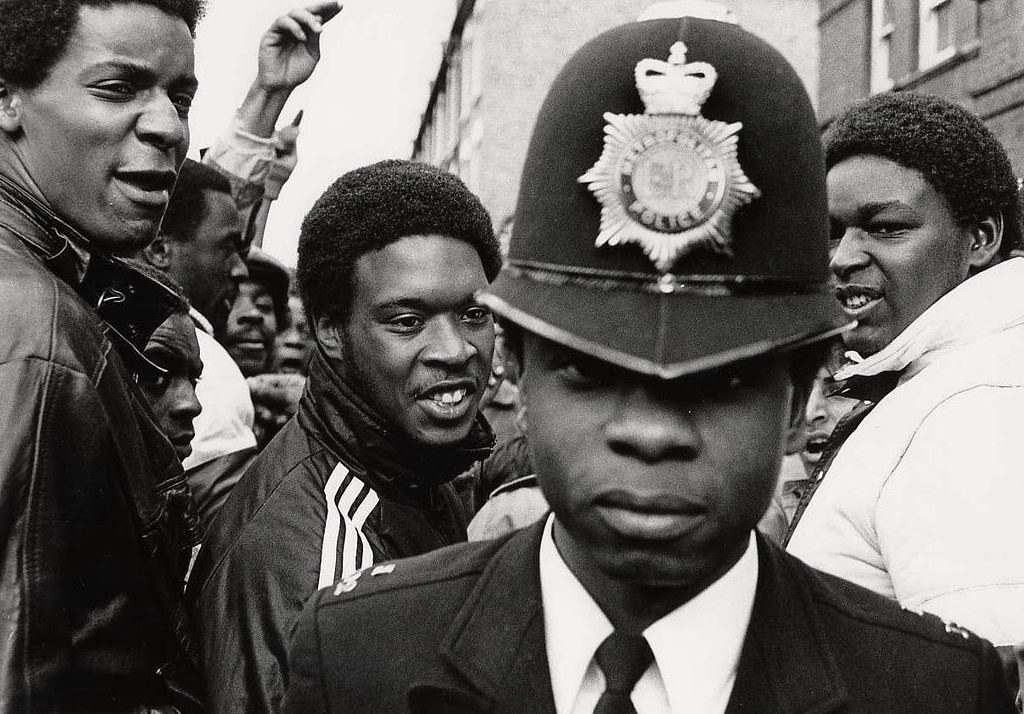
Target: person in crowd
[171,392]
[659,379]
[809,440]
[825,407]
[200,244]
[390,257]
[259,311]
[199,247]
[97,526]
[916,497]
[294,344]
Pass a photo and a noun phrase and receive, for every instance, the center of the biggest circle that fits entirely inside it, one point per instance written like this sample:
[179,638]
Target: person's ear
[10,108]
[986,237]
[330,337]
[158,253]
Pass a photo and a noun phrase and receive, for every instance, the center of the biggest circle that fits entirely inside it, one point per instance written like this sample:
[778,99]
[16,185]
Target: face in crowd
[655,484]
[172,397]
[209,266]
[417,342]
[896,247]
[251,328]
[823,412]
[292,345]
[103,135]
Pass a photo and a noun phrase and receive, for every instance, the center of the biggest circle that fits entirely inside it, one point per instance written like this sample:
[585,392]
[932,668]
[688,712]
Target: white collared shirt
[696,646]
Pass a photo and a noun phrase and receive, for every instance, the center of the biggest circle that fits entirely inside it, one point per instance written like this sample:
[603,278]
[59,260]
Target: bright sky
[362,104]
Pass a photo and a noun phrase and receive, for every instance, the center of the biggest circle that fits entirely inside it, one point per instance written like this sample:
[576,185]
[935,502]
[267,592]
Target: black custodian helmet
[672,214]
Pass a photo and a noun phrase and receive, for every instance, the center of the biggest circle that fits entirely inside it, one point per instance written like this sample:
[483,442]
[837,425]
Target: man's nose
[648,428]
[160,123]
[817,405]
[186,403]
[849,254]
[245,312]
[251,316]
[448,343]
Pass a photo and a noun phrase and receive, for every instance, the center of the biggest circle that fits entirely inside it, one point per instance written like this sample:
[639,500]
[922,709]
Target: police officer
[666,304]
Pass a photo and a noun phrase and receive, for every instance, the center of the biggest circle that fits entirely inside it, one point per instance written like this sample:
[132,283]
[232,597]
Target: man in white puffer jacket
[921,502]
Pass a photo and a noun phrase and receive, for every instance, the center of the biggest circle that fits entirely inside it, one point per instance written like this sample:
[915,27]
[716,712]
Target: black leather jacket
[95,519]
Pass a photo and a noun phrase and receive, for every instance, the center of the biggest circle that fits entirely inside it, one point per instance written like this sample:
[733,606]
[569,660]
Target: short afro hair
[36,32]
[187,207]
[371,207]
[948,145]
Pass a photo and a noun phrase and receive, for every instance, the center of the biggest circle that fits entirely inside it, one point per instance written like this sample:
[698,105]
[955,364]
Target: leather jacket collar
[395,464]
[63,249]
[131,304]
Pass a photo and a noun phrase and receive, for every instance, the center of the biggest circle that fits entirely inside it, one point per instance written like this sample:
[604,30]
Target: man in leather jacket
[95,519]
[389,260]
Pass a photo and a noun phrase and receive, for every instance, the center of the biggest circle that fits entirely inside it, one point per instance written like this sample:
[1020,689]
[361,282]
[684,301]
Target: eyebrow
[168,359]
[419,304]
[870,210]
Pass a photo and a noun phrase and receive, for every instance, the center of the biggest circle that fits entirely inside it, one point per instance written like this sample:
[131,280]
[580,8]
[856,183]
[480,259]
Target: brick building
[969,51]
[502,55]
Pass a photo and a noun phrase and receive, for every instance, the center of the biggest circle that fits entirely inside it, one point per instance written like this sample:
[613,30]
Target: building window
[935,42]
[882,26]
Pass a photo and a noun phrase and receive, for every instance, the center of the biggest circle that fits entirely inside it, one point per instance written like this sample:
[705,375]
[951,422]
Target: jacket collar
[496,643]
[397,466]
[62,248]
[984,304]
[130,303]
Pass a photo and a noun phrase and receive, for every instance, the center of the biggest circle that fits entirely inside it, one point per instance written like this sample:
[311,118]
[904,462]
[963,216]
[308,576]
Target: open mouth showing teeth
[856,301]
[856,298]
[449,398]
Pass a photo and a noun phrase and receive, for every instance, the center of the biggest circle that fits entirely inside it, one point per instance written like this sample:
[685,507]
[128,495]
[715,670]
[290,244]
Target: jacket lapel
[496,642]
[785,666]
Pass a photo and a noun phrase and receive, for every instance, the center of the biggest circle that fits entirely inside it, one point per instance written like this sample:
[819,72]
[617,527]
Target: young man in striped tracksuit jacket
[390,258]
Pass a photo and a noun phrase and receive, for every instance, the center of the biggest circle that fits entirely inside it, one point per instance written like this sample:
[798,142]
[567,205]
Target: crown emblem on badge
[669,180]
[674,87]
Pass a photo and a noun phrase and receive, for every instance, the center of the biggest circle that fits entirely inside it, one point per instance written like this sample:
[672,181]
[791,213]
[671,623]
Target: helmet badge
[669,179]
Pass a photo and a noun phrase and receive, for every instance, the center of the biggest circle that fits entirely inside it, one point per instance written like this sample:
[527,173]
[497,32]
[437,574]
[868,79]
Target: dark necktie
[623,658]
[870,390]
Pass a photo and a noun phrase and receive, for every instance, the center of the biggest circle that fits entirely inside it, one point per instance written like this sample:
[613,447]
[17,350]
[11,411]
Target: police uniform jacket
[461,630]
[95,518]
[333,492]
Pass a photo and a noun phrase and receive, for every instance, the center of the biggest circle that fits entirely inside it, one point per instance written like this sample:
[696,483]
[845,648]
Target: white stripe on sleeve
[349,504]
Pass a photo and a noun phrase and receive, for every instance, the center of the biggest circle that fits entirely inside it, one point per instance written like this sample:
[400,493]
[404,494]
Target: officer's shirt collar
[696,646]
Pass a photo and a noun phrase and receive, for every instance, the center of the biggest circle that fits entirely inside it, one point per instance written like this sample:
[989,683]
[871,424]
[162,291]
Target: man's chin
[443,436]
[864,342]
[123,237]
